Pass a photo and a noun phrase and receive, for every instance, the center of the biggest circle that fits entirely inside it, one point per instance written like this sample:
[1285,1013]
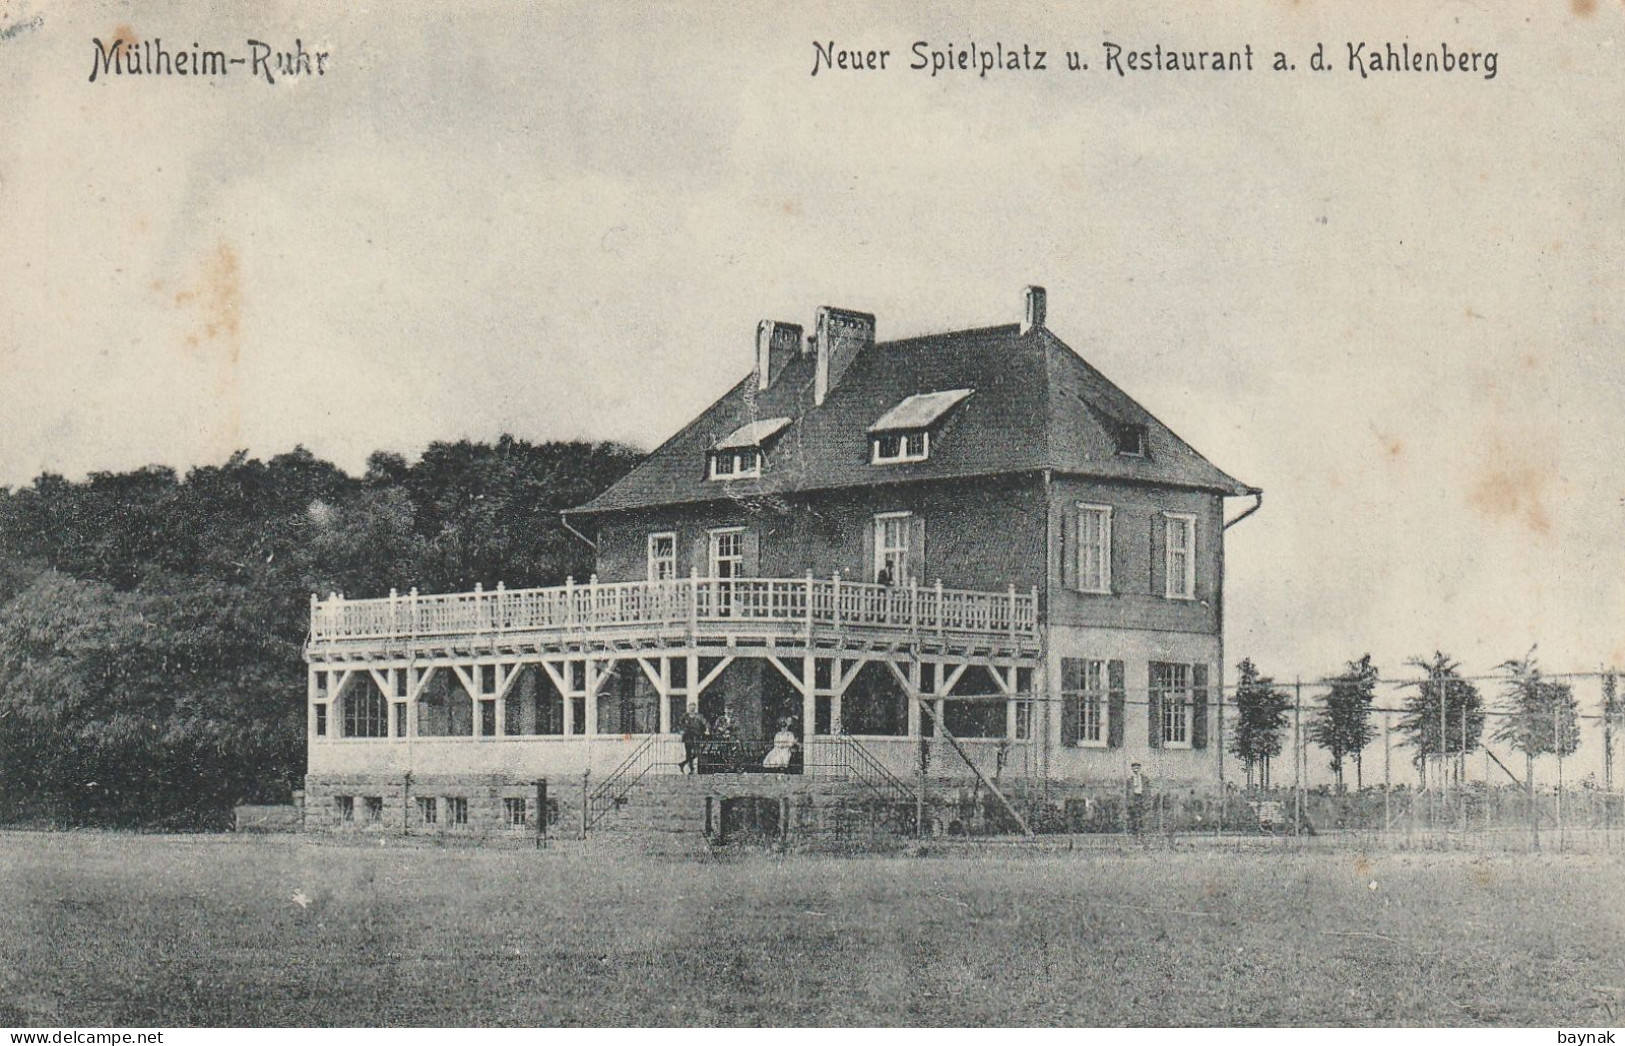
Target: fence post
[541,812]
[1461,774]
[1297,755]
[1558,737]
[1387,777]
[586,799]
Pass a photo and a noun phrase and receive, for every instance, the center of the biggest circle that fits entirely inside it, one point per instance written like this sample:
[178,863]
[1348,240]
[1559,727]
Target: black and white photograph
[713,515]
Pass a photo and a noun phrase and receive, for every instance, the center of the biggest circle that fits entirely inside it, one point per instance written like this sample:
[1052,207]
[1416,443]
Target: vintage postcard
[1035,514]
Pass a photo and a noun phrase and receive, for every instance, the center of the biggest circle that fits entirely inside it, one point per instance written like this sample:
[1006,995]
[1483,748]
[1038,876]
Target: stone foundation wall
[687,811]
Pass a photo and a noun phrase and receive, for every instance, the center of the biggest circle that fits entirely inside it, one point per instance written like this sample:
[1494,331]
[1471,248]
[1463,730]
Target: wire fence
[1486,769]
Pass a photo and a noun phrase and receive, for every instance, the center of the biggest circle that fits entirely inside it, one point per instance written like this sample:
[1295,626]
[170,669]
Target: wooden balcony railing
[693,604]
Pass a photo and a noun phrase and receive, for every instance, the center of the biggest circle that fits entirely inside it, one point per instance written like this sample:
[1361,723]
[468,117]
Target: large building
[963,560]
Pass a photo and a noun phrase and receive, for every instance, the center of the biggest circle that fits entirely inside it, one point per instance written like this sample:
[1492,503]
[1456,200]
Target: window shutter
[701,563]
[1116,699]
[916,549]
[1159,554]
[1198,706]
[1069,707]
[866,569]
[750,550]
[1069,547]
[1153,706]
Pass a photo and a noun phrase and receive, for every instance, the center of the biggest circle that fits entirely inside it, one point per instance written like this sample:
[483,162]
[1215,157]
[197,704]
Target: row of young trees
[1443,715]
[151,625]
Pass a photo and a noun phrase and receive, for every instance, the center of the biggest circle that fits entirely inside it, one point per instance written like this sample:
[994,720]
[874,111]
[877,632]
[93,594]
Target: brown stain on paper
[122,33]
[217,296]
[211,303]
[1583,8]
[1513,493]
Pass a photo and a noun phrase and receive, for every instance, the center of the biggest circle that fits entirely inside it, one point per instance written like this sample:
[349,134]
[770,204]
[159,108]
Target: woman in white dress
[784,746]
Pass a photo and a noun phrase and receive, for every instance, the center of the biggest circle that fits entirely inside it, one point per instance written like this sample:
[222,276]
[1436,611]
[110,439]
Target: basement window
[374,807]
[345,807]
[428,810]
[514,811]
[456,810]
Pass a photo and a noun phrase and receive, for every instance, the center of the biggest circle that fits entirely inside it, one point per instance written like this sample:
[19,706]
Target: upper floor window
[662,556]
[891,547]
[727,552]
[900,446]
[740,454]
[1094,548]
[1171,704]
[736,464]
[904,432]
[1130,440]
[1180,556]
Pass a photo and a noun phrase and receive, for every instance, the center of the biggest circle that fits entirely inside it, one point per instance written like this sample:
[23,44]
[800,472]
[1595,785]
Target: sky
[1392,302]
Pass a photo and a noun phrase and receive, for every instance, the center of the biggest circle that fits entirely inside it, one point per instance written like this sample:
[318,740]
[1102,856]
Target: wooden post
[1013,630]
[1387,777]
[1461,775]
[586,799]
[809,608]
[1297,755]
[836,599]
[1444,741]
[1557,746]
[541,812]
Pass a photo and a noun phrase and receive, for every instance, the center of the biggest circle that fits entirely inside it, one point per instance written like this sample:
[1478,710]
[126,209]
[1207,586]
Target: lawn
[107,929]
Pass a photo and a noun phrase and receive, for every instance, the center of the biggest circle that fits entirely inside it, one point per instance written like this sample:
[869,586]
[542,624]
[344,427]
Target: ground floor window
[1171,704]
[374,807]
[428,810]
[345,806]
[515,812]
[321,720]
[1083,688]
[456,810]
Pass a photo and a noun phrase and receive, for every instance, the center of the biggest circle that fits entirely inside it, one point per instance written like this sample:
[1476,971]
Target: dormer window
[904,432]
[900,446]
[1130,440]
[736,464]
[740,455]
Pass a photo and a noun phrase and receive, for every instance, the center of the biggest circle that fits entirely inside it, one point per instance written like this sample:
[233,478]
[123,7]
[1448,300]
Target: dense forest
[151,625]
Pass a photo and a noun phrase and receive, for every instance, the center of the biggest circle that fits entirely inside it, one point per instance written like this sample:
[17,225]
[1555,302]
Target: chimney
[838,336]
[1034,315]
[777,343]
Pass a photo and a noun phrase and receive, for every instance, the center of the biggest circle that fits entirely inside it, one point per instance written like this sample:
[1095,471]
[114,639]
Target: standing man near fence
[1136,787]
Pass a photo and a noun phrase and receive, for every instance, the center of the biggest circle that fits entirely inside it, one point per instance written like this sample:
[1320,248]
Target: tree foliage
[151,626]
[1542,716]
[1342,725]
[1261,718]
[1420,722]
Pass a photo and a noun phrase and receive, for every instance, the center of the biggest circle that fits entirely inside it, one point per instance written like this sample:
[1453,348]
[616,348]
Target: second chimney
[776,345]
[838,336]
[1033,316]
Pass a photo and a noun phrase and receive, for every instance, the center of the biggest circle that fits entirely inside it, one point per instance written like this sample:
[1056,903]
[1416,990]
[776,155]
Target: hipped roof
[1037,406]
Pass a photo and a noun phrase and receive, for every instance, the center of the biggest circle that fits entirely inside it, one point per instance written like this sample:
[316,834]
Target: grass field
[100,929]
